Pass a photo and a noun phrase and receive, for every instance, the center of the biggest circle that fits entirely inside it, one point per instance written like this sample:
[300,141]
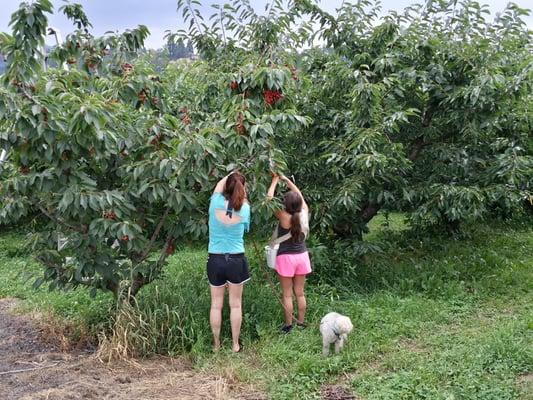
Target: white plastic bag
[271,252]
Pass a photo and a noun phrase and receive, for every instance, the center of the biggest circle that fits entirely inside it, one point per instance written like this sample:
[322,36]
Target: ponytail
[237,197]
[296,227]
[293,203]
[234,191]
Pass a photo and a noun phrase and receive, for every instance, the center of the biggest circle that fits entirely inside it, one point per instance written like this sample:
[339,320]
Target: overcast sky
[161,15]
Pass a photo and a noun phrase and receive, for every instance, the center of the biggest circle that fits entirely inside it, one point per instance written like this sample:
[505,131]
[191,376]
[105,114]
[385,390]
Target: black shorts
[227,268]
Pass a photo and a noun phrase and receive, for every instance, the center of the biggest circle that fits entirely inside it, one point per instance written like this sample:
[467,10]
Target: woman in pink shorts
[292,261]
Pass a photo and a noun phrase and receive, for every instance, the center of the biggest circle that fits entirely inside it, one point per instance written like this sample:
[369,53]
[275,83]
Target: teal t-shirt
[226,227]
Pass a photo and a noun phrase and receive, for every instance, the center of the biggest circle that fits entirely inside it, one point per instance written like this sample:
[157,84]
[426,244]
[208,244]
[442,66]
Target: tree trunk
[452,227]
[345,230]
[416,148]
[113,288]
[528,205]
[140,280]
[369,211]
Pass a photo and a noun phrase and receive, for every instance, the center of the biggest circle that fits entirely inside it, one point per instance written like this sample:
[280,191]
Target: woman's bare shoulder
[284,219]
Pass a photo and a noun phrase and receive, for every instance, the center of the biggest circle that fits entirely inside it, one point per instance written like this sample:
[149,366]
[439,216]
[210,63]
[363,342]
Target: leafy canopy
[120,159]
[428,110]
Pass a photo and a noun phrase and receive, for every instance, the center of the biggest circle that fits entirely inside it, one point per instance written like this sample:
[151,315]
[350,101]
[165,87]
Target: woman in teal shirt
[229,218]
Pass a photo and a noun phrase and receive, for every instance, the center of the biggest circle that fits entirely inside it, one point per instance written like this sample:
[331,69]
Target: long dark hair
[234,190]
[293,203]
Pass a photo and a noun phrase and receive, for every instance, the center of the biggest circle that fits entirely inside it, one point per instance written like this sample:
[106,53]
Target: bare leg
[286,287]
[215,315]
[235,304]
[299,283]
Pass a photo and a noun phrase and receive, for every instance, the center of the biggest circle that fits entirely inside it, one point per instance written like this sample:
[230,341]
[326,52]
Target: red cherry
[110,215]
[240,129]
[141,96]
[271,96]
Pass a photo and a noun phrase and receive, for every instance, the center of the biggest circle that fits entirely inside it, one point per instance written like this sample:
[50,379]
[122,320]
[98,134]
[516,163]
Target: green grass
[18,271]
[434,318]
[385,223]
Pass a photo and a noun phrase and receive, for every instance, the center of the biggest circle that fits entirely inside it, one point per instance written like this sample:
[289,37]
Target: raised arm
[290,184]
[219,188]
[271,192]
[272,189]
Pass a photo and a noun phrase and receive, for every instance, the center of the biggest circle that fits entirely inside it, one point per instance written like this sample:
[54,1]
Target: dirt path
[32,369]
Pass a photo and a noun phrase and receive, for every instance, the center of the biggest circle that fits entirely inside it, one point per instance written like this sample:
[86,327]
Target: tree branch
[154,236]
[57,220]
[222,25]
[419,142]
[416,148]
[191,10]
[140,280]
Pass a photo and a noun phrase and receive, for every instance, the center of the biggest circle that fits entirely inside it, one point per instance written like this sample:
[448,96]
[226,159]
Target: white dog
[334,329]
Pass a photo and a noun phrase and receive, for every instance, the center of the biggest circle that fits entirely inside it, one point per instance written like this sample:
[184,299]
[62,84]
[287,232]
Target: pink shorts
[288,265]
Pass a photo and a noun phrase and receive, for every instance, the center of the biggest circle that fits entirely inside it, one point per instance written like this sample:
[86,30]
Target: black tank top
[288,246]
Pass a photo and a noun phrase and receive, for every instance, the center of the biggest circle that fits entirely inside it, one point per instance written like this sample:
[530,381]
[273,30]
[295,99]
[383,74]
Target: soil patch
[336,392]
[525,383]
[31,368]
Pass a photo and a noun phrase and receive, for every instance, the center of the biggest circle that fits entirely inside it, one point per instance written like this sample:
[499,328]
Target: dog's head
[344,325]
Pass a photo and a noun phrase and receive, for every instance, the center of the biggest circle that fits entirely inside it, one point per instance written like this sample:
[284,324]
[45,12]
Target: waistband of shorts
[226,255]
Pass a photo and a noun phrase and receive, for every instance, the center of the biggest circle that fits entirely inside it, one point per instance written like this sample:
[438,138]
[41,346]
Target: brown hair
[234,190]
[293,203]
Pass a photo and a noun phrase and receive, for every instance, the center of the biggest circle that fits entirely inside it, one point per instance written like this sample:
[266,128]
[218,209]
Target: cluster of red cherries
[271,97]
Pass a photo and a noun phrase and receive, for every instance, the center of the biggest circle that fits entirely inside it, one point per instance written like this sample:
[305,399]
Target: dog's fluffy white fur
[334,328]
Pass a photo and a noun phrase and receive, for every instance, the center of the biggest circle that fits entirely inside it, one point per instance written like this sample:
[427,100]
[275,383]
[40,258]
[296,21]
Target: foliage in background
[428,111]
[433,318]
[121,160]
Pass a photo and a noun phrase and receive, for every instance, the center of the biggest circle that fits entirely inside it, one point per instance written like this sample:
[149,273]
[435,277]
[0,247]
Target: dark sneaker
[286,328]
[301,325]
